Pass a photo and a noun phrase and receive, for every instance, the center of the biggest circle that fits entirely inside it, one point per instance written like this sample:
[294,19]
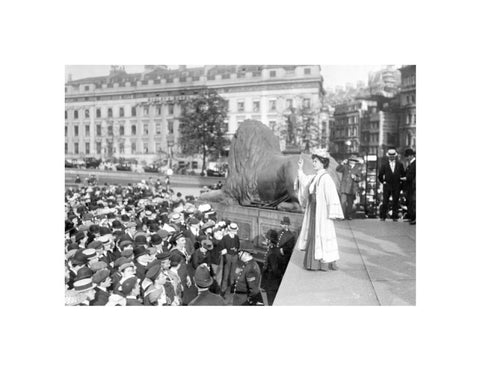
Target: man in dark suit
[410,184]
[390,176]
[103,281]
[203,280]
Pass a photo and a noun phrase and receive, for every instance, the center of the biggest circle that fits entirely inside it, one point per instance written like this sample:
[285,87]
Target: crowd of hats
[109,229]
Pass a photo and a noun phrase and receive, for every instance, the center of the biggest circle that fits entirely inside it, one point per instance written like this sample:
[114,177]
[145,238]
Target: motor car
[92,162]
[69,163]
[152,168]
[124,166]
[216,169]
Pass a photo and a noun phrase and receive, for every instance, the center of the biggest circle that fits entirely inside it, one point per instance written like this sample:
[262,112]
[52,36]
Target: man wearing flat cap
[103,281]
[247,280]
[203,280]
[351,176]
[131,290]
[390,175]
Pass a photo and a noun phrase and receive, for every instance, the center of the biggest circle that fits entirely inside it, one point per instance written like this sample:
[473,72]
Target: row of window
[410,99]
[121,129]
[306,71]
[272,105]
[110,149]
[121,112]
[346,120]
[409,80]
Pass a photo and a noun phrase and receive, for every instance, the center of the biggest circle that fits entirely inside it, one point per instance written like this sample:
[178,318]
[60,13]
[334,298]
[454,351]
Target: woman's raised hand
[300,163]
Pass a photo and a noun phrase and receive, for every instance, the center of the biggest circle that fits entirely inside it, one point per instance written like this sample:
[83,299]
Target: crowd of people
[144,244]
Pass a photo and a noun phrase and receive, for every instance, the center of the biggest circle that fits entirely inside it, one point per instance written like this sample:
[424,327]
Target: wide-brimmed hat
[322,153]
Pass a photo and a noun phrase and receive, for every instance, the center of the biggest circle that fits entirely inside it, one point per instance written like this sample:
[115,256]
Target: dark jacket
[207,298]
[230,244]
[249,279]
[286,241]
[101,298]
[411,174]
[391,179]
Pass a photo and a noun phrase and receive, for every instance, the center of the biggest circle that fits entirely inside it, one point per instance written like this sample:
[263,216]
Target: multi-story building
[345,135]
[137,115]
[407,111]
[379,130]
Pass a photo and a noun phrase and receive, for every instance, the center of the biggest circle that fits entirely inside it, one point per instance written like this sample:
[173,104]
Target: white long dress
[318,194]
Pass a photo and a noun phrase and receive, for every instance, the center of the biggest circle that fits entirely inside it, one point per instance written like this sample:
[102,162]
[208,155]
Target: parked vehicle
[69,163]
[153,168]
[92,162]
[217,169]
[124,166]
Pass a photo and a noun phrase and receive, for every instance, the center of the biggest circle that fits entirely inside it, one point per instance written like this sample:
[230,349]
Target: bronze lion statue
[258,172]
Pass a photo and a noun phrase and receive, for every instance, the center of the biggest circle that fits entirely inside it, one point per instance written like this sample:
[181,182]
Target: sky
[334,75]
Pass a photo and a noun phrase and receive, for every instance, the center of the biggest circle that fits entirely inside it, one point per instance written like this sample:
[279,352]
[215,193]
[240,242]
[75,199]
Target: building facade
[379,130]
[345,134]
[408,110]
[137,115]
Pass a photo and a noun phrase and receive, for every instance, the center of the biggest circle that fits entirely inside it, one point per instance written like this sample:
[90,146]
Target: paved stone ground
[377,267]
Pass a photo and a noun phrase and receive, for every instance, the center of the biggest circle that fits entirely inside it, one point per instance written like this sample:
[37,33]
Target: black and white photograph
[249,171]
[240,185]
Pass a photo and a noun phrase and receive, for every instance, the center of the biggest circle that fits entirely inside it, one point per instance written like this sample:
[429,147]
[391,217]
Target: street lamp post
[204,110]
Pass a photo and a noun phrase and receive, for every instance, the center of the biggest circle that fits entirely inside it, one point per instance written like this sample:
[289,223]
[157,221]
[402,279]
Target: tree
[310,133]
[302,128]
[203,125]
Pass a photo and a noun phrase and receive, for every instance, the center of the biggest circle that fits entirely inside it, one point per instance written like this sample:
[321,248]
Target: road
[187,185]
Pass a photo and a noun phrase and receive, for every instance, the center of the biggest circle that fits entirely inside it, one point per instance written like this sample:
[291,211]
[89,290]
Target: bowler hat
[83,273]
[272,235]
[409,152]
[202,277]
[156,239]
[140,239]
[163,256]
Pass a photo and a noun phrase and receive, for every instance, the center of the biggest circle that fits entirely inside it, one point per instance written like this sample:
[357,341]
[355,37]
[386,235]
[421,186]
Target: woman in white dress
[318,194]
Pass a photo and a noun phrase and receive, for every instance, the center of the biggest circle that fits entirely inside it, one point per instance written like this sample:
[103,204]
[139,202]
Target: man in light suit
[349,185]
[390,176]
